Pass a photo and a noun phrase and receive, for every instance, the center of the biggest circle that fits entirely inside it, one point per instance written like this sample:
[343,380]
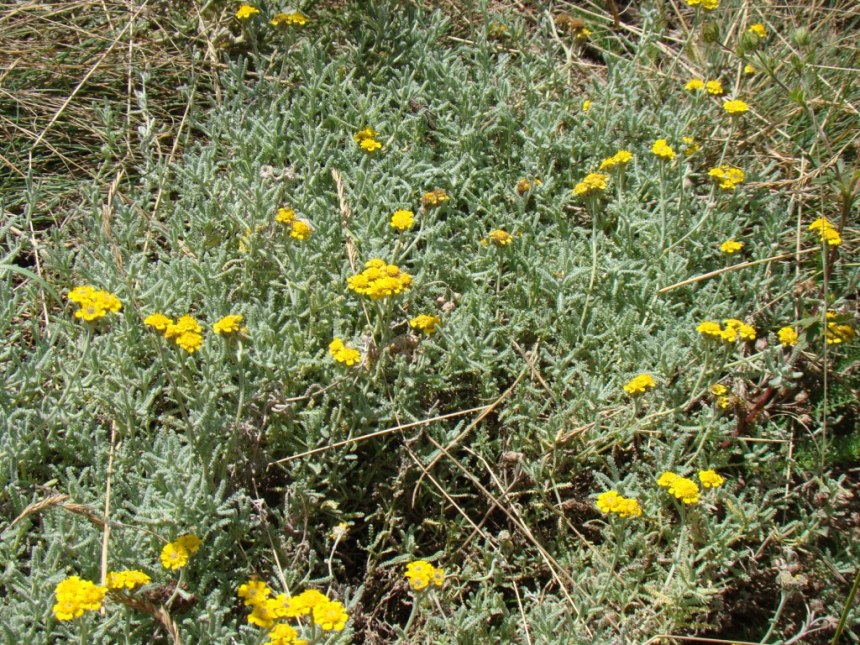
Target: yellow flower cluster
[721,394]
[731,246]
[691,147]
[300,228]
[663,150]
[710,479]
[787,336]
[435,197]
[380,280]
[735,107]
[94,303]
[727,177]
[426,323]
[366,140]
[266,611]
[694,85]
[731,330]
[186,332]
[75,596]
[823,226]
[620,158]
[612,502]
[499,237]
[126,579]
[707,5]
[402,220]
[715,88]
[246,11]
[586,105]
[681,487]
[525,185]
[836,332]
[293,18]
[421,574]
[343,354]
[594,182]
[640,384]
[175,554]
[230,324]
[758,29]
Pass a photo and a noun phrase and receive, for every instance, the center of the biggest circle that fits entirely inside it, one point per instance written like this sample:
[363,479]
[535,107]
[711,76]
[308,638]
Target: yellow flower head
[301,229]
[727,177]
[343,354]
[330,616]
[422,574]
[380,280]
[711,479]
[231,324]
[611,502]
[715,88]
[158,321]
[586,105]
[691,147]
[731,246]
[787,336]
[681,487]
[694,85]
[619,159]
[189,542]
[826,231]
[758,29]
[370,145]
[174,556]
[402,220]
[254,592]
[592,183]
[284,634]
[718,389]
[735,107]
[426,323]
[663,150]
[94,303]
[525,185]
[707,5]
[294,18]
[749,69]
[435,197]
[640,384]
[837,333]
[75,596]
[304,603]
[186,333]
[498,237]
[264,614]
[285,216]
[246,11]
[126,579]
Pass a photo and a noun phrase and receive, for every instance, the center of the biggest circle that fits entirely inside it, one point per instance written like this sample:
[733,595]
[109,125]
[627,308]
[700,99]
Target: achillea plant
[380,280]
[727,177]
[640,384]
[421,574]
[610,502]
[402,220]
[827,232]
[426,323]
[663,150]
[683,488]
[731,330]
[592,183]
[94,303]
[76,596]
